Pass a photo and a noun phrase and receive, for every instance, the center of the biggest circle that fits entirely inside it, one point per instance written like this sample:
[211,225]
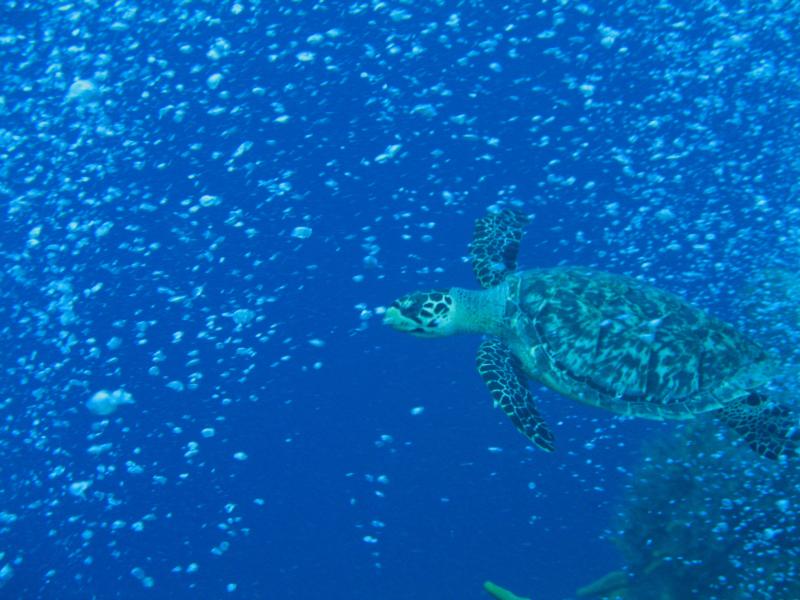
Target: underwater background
[207,205]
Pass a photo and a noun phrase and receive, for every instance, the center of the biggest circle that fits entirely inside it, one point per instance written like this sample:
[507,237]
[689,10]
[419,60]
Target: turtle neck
[479,311]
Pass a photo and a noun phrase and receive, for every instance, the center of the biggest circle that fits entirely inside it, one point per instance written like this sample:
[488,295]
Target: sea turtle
[607,340]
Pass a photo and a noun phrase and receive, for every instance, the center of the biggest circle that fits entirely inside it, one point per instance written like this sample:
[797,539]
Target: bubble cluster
[208,204]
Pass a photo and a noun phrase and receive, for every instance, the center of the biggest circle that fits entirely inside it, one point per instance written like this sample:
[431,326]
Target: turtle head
[424,314]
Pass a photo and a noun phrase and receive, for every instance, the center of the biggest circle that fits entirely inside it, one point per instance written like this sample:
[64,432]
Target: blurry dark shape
[705,518]
[613,586]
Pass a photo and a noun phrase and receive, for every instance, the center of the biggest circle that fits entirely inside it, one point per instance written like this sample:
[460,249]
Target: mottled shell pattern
[618,343]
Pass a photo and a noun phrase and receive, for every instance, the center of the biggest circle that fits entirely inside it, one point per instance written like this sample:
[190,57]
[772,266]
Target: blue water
[157,160]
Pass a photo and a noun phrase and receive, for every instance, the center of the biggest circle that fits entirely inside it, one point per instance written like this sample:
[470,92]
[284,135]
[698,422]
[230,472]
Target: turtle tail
[772,430]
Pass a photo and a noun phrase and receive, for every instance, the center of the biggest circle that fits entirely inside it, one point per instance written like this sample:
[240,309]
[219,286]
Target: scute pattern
[495,246]
[502,372]
[621,344]
[769,429]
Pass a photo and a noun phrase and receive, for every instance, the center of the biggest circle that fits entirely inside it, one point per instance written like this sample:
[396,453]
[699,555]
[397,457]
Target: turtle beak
[397,320]
[393,317]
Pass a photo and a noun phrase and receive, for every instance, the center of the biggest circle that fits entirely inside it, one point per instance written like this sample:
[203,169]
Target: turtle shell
[618,343]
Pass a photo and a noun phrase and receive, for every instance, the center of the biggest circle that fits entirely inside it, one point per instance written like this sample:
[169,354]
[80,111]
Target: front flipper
[772,430]
[495,245]
[503,374]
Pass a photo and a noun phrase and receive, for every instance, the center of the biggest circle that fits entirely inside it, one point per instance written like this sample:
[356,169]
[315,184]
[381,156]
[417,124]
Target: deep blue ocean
[206,207]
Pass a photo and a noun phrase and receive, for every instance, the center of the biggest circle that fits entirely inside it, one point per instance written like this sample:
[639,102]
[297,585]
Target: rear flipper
[503,375]
[770,429]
